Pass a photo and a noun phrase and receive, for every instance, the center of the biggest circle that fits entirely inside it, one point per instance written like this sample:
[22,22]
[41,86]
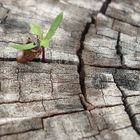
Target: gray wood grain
[89,86]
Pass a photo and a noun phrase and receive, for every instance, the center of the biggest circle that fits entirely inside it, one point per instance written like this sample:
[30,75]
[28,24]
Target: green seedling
[32,49]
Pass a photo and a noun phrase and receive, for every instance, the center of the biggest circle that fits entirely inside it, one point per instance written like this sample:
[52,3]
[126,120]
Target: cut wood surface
[88,88]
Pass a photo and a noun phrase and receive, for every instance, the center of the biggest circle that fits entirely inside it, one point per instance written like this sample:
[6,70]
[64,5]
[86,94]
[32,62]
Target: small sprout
[23,46]
[44,43]
[36,29]
[54,26]
[33,48]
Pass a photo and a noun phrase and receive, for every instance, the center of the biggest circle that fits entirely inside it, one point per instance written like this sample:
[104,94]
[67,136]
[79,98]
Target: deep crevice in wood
[118,49]
[81,70]
[86,105]
[104,7]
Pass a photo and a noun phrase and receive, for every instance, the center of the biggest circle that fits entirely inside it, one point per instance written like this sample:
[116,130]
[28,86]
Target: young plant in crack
[35,47]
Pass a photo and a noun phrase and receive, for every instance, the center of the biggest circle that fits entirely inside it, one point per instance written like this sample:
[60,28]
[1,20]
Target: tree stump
[88,88]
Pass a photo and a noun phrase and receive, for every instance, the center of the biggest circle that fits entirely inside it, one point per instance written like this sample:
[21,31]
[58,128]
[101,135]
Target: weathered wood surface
[89,86]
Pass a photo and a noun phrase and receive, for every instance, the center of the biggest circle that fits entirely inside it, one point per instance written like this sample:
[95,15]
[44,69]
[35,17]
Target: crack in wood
[86,105]
[81,65]
[32,101]
[17,133]
[18,79]
[106,106]
[5,13]
[104,7]
[46,61]
[118,49]
[47,115]
[115,67]
[125,106]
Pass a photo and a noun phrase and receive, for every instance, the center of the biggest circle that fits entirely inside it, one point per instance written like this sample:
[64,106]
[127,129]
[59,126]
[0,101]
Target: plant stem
[43,54]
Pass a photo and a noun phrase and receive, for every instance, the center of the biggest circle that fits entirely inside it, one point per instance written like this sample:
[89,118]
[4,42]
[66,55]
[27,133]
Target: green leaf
[44,43]
[55,24]
[22,46]
[36,29]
